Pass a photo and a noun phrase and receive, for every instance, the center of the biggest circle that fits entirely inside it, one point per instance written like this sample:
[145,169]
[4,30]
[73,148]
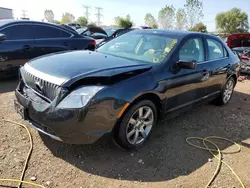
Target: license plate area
[20,109]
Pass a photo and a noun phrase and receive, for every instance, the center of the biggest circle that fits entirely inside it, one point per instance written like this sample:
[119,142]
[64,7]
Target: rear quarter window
[47,32]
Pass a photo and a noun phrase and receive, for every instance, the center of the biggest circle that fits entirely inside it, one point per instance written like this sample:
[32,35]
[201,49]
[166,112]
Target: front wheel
[226,93]
[136,125]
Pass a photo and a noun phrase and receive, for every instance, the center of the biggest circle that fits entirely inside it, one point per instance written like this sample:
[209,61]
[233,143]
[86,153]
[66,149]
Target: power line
[98,15]
[87,11]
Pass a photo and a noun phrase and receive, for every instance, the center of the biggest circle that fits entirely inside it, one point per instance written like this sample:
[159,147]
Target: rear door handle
[26,47]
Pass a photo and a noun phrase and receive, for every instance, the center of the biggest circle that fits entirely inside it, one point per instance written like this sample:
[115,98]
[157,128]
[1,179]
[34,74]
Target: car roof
[178,33]
[6,21]
[12,21]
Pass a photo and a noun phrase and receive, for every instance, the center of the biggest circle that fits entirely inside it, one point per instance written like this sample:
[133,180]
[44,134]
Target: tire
[132,124]
[222,99]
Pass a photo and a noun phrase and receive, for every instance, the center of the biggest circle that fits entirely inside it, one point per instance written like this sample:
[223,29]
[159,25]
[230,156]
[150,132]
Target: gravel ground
[166,160]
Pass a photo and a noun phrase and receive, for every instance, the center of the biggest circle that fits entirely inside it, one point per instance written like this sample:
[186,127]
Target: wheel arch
[153,97]
[234,76]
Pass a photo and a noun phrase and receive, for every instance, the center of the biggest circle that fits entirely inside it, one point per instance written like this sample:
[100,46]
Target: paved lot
[167,160]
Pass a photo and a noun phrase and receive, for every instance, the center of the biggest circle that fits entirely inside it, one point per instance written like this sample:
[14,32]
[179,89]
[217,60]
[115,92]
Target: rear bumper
[74,126]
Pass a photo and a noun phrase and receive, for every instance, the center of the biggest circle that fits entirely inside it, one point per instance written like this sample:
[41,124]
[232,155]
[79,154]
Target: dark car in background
[67,27]
[116,33]
[94,32]
[125,85]
[243,52]
[74,26]
[102,35]
[22,40]
[244,55]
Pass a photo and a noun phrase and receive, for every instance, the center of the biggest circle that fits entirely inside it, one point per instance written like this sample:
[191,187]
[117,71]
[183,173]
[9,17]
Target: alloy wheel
[140,125]
[228,91]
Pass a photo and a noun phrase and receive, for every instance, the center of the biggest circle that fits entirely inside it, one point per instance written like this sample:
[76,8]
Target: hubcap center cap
[140,124]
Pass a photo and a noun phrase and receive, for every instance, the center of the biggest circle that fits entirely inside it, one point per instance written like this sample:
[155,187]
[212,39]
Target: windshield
[150,48]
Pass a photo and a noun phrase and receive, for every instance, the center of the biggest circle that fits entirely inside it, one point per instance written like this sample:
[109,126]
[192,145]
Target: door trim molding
[192,102]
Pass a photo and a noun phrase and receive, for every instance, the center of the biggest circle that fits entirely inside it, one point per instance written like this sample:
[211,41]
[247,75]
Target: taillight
[93,43]
[91,46]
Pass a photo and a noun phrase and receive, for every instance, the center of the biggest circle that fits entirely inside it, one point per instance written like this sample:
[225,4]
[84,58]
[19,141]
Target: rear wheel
[136,125]
[226,93]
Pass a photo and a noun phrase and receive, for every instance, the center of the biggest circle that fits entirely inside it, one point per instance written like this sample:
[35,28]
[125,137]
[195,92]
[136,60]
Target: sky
[112,8]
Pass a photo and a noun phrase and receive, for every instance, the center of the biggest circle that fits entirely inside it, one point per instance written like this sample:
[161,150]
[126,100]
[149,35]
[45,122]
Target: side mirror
[2,37]
[185,64]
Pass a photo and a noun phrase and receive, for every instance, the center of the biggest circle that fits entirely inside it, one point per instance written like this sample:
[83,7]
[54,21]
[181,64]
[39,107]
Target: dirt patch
[166,160]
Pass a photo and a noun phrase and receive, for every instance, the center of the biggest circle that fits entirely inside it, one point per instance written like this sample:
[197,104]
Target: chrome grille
[46,89]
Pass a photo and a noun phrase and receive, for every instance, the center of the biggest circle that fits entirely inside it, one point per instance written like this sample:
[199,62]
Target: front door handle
[66,44]
[205,72]
[3,58]
[26,47]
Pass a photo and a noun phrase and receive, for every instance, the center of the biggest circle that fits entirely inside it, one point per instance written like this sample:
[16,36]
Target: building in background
[6,13]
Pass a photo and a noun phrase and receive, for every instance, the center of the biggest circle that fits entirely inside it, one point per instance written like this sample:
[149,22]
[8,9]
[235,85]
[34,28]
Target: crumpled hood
[71,66]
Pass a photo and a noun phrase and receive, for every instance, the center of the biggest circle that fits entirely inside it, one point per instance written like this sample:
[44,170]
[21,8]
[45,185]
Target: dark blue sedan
[22,40]
[125,86]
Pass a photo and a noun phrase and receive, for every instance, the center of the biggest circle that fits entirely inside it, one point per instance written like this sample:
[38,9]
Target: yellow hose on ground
[20,181]
[204,140]
[219,157]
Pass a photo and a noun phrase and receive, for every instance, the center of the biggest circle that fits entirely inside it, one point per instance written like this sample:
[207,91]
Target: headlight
[79,97]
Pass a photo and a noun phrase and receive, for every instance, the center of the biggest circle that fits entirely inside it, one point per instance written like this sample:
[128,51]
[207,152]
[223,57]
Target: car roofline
[38,22]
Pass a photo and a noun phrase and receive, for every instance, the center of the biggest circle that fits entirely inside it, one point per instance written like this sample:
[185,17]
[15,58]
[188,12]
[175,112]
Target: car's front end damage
[75,110]
[80,124]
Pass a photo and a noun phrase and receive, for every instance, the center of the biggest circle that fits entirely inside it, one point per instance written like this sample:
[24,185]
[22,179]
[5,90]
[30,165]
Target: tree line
[189,17]
[66,18]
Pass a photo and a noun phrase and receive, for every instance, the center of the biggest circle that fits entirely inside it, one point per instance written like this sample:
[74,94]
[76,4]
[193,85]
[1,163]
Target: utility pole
[24,15]
[86,11]
[99,15]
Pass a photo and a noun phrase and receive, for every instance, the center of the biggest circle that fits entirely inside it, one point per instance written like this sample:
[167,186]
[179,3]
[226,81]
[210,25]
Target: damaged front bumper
[74,126]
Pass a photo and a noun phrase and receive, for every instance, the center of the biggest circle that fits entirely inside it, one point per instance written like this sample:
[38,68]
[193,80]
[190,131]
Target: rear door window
[47,32]
[215,49]
[19,32]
